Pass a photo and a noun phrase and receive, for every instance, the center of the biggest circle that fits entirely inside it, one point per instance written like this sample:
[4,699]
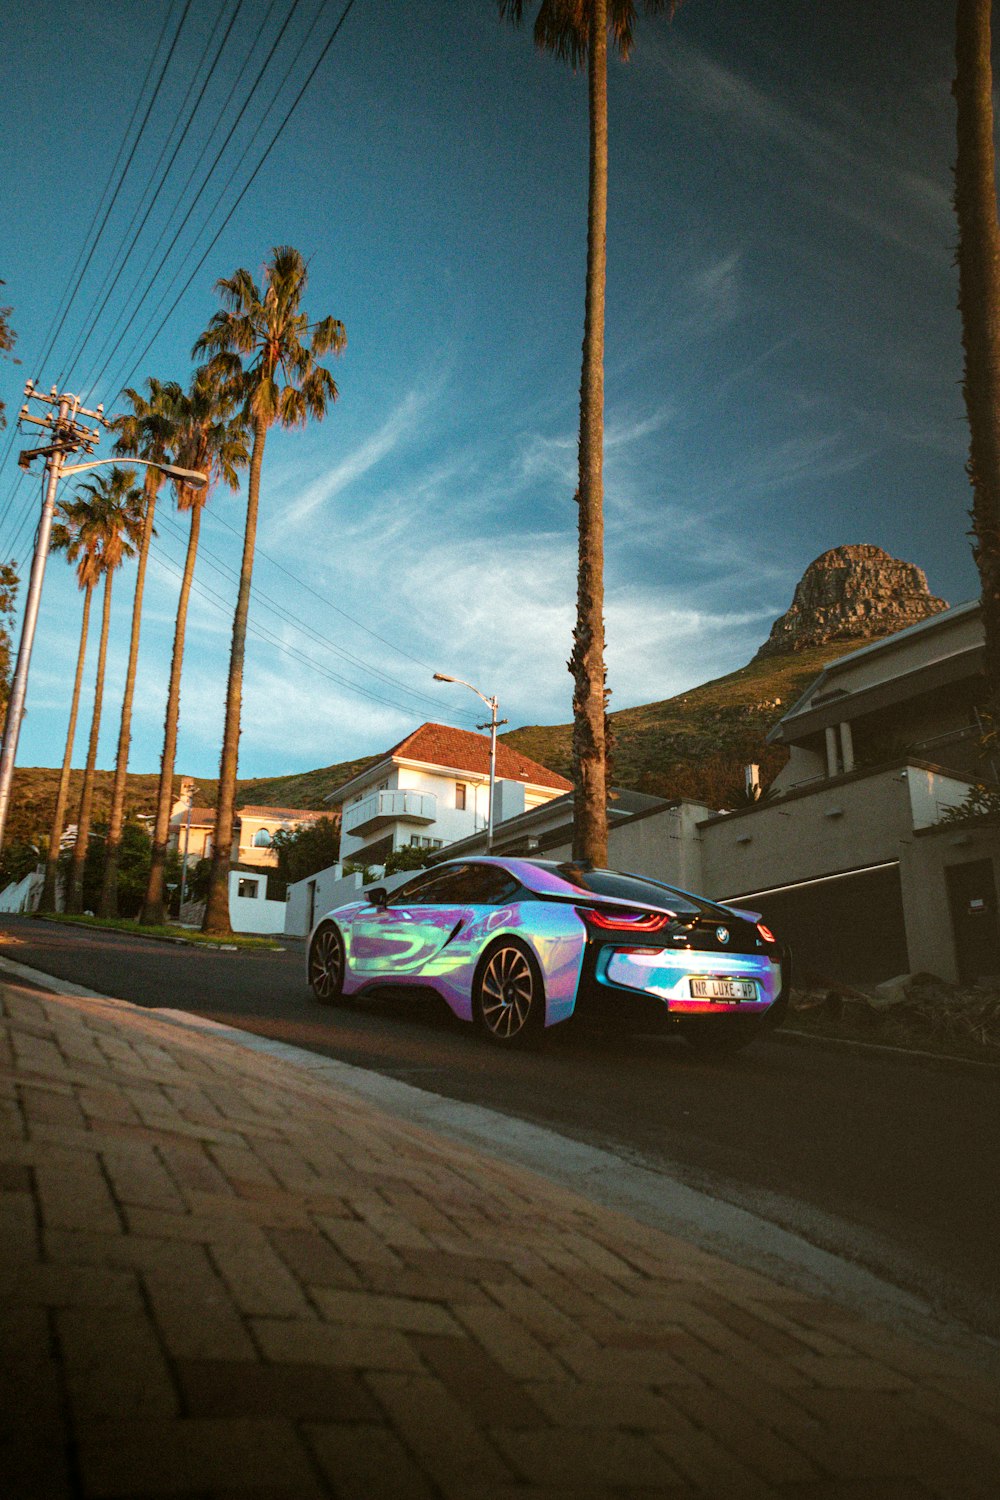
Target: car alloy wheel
[509,996]
[326,965]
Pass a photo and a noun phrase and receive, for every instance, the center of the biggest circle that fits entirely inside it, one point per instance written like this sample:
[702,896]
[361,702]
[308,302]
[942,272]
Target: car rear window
[631,888]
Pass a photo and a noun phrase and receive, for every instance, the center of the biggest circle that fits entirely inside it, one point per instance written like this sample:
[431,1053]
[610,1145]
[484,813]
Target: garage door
[847,927]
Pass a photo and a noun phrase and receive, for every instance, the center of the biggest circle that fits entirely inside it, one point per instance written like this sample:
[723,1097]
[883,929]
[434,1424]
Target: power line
[124,171]
[72,288]
[243,192]
[328,603]
[207,178]
[151,193]
[50,337]
[168,221]
[265,635]
[224,569]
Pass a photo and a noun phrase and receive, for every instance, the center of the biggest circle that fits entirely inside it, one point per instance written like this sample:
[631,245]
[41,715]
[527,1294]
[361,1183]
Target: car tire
[508,995]
[721,1038]
[327,964]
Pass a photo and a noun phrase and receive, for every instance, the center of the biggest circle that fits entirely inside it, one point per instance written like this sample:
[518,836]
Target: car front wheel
[508,998]
[326,964]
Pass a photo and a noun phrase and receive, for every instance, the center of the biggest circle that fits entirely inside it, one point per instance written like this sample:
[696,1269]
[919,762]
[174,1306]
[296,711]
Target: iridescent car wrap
[428,953]
[679,954]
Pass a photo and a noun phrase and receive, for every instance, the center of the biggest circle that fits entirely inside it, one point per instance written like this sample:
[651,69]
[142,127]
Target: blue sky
[783,350]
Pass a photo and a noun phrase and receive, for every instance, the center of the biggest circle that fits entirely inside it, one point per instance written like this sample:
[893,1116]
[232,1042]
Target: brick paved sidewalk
[224,1278]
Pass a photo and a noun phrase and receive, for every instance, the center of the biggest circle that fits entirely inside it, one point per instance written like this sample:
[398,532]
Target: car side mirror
[378,896]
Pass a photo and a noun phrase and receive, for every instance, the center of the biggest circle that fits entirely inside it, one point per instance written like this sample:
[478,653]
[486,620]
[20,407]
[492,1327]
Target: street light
[493,705]
[55,470]
[187,839]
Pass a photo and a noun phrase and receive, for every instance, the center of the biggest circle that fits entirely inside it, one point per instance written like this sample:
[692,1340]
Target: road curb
[151,937]
[790,1037]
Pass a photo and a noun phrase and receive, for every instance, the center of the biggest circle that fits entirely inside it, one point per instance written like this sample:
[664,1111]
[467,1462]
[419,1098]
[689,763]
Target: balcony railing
[394,806]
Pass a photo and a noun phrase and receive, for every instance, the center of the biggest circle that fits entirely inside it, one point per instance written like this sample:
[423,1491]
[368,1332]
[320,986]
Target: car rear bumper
[650,986]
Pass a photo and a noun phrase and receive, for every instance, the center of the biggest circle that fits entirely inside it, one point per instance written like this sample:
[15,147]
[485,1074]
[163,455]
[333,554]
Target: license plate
[723,989]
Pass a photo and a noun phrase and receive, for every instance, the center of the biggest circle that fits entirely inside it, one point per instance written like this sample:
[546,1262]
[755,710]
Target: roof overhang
[838,706]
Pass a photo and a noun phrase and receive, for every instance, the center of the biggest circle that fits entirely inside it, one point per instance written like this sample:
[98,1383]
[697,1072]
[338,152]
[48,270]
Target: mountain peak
[856,592]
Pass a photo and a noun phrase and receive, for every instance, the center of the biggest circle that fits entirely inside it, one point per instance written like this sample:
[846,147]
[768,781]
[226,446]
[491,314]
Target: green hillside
[34,794]
[694,745]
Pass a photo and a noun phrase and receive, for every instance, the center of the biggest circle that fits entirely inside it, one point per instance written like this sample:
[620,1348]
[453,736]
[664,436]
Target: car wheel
[508,997]
[721,1039]
[326,964]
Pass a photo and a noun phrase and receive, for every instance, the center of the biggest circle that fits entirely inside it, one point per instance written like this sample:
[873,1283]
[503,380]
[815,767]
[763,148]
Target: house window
[460,793]
[262,839]
[248,889]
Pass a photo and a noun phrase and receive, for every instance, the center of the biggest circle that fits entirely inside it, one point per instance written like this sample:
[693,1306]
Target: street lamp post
[187,840]
[68,436]
[493,705]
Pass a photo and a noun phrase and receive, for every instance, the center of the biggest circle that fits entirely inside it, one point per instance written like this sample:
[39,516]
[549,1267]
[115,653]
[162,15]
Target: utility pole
[67,434]
[493,705]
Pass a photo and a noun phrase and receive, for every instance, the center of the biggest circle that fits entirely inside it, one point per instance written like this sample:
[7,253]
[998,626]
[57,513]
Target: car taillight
[766,933]
[625,921]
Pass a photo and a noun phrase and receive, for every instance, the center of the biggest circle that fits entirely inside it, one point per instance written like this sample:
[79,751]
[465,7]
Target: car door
[418,919]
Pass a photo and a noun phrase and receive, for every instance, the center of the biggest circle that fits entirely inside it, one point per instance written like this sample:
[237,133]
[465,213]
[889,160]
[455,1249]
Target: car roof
[544,877]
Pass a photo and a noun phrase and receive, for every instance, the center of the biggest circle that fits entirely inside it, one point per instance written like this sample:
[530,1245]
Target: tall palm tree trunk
[108,904]
[979,302]
[74,898]
[590,819]
[154,909]
[217,904]
[49,897]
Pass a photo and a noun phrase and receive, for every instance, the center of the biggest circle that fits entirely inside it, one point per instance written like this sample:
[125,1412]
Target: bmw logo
[722,933]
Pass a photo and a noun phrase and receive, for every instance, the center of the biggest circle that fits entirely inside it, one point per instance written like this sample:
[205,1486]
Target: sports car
[519,945]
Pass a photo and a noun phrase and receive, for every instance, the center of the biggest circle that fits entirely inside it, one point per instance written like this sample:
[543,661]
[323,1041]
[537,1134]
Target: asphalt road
[891,1162]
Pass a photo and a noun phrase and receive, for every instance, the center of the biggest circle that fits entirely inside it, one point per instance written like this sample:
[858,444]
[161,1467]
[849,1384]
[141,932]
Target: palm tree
[577,31]
[80,546]
[213,442]
[979,301]
[147,432]
[258,343]
[111,521]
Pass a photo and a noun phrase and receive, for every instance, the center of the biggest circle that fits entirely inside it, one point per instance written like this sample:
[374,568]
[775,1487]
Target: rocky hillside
[854,593]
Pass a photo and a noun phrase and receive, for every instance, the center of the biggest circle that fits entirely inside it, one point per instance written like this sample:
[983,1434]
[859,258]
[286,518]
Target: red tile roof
[460,749]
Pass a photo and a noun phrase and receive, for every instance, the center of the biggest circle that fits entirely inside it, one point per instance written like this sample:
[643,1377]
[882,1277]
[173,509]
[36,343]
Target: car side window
[488,885]
[438,887]
[457,885]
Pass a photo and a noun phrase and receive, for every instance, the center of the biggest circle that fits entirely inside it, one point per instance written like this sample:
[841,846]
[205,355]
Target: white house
[432,789]
[429,791]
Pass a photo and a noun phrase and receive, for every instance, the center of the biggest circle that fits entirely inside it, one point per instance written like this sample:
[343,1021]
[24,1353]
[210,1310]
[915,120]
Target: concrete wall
[923,865]
[666,845]
[259,915]
[841,824]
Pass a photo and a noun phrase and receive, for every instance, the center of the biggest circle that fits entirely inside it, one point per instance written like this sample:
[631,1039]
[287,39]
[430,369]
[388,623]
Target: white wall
[332,889]
[24,895]
[451,823]
[259,915]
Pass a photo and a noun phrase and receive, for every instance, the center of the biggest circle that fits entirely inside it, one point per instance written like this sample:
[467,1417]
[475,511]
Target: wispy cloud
[401,423]
[846,164]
